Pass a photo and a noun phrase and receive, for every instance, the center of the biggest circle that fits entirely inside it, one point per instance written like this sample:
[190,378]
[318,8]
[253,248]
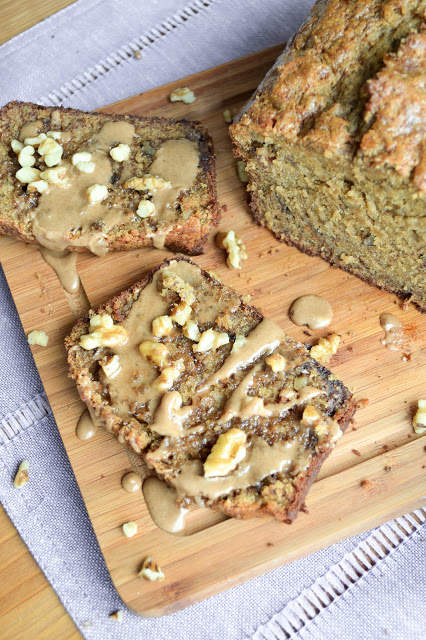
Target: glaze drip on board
[161,500]
[311,311]
[393,331]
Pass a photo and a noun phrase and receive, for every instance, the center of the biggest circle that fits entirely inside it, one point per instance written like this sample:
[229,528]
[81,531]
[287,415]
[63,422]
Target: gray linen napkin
[347,591]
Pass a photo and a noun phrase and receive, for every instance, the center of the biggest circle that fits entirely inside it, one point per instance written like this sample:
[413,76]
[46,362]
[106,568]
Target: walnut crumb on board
[366,484]
[234,247]
[117,615]
[38,337]
[419,418]
[151,571]
[183,94]
[356,452]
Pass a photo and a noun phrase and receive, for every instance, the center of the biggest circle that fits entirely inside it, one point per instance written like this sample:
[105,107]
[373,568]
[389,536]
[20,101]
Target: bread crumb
[137,54]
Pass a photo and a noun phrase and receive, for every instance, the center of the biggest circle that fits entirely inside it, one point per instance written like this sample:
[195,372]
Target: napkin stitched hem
[363,561]
[126,52]
[25,416]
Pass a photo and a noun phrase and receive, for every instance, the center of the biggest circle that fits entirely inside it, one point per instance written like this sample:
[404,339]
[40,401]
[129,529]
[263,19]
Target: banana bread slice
[89,181]
[217,399]
[334,142]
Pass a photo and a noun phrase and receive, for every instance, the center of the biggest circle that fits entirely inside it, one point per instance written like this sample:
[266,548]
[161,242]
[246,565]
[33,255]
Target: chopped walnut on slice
[239,342]
[155,352]
[169,375]
[276,362]
[120,153]
[172,282]
[325,349]
[226,453]
[234,246]
[191,331]
[103,333]
[419,419]
[211,339]
[147,183]
[151,571]
[181,313]
[111,366]
[183,94]
[162,326]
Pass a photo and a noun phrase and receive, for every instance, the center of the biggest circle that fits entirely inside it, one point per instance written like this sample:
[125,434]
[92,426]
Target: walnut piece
[171,281]
[38,337]
[117,615]
[162,326]
[111,366]
[145,209]
[151,571]
[38,185]
[325,349]
[155,352]
[97,193]
[22,476]
[211,339]
[16,145]
[27,175]
[51,152]
[147,183]
[311,416]
[26,156]
[35,141]
[81,156]
[103,333]
[419,419]
[181,312]
[276,362]
[234,247]
[239,342]
[226,453]
[130,529]
[86,167]
[183,94]
[191,331]
[120,153]
[55,175]
[169,375]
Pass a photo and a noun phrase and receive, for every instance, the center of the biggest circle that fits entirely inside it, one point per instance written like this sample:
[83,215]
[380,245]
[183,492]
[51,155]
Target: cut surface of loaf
[217,399]
[334,142]
[92,181]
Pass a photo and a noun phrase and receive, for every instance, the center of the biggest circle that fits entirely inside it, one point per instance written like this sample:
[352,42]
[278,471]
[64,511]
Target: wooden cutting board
[377,470]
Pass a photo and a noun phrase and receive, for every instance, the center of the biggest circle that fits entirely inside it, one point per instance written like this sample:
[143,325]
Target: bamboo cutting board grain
[376,472]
